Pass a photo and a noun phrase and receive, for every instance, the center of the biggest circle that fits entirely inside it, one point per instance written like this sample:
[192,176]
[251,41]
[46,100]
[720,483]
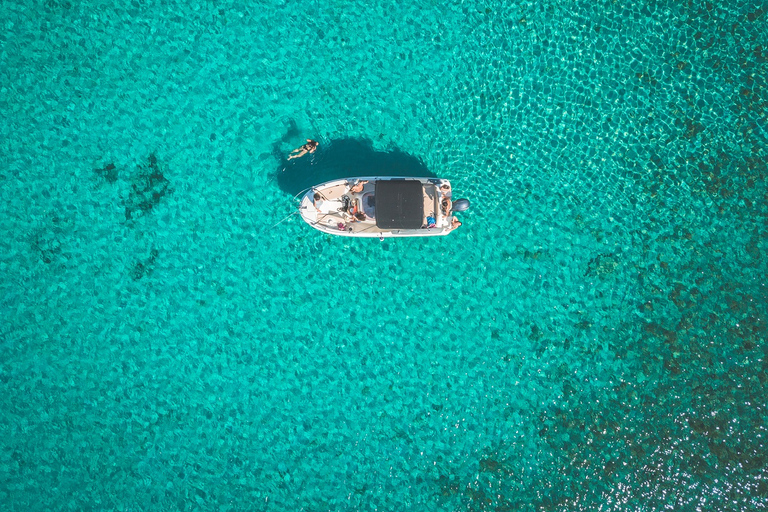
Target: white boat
[382,207]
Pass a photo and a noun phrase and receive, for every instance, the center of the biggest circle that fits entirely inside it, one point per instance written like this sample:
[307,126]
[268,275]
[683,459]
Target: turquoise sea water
[592,338]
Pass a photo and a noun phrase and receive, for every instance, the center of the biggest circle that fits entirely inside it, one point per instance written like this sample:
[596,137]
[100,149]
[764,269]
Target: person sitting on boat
[455,222]
[317,201]
[352,206]
[446,205]
[358,187]
[309,147]
[352,216]
[353,213]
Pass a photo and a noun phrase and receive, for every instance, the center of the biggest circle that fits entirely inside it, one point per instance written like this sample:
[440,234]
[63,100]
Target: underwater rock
[148,188]
[601,264]
[490,465]
[47,245]
[646,78]
[448,486]
[755,15]
[679,297]
[692,128]
[108,172]
[144,268]
[656,330]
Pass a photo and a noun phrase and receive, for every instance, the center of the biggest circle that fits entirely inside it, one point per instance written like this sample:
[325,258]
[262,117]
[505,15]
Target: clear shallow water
[593,336]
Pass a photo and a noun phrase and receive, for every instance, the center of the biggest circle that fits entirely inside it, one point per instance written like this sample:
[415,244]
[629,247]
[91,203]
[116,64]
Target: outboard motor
[460,205]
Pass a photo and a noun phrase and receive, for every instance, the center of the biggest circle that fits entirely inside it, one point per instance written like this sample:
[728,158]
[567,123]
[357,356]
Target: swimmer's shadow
[343,158]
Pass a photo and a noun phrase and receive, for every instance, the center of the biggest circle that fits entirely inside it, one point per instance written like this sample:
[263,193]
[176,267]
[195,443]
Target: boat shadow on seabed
[343,158]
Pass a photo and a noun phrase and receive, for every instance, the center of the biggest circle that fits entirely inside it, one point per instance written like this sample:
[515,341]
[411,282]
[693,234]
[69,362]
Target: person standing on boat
[309,147]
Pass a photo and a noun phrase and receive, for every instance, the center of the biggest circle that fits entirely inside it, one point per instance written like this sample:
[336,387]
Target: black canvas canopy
[399,204]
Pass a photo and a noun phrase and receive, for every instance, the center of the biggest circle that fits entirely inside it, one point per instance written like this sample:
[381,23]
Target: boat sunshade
[399,204]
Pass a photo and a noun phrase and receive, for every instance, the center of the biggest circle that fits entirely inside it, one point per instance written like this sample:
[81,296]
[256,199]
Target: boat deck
[331,212]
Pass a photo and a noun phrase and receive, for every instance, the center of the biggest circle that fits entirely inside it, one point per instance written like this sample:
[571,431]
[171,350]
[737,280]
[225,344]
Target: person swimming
[309,147]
